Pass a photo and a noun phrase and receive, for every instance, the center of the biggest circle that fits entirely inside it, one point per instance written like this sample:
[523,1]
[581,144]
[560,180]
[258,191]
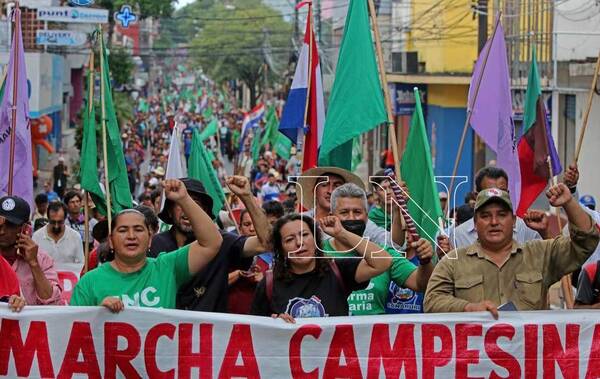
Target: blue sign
[125,16]
[60,38]
[81,3]
[403,97]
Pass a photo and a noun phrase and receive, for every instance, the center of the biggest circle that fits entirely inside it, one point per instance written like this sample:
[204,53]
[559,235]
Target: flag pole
[469,109]
[386,92]
[388,107]
[230,212]
[309,19]
[565,281]
[587,111]
[104,146]
[86,210]
[218,136]
[13,121]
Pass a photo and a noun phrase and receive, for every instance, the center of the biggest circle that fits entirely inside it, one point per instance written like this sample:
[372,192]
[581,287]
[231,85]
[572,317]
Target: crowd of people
[326,245]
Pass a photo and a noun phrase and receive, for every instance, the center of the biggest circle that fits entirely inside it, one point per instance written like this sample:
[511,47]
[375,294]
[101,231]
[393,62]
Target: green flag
[417,171]
[143,106]
[356,103]
[186,94]
[200,168]
[256,143]
[226,105]
[209,130]
[282,146]
[208,112]
[235,137]
[2,87]
[120,195]
[89,157]
[356,153]
[271,128]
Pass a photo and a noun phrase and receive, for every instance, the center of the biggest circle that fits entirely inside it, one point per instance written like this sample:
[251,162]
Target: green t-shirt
[371,300]
[155,285]
[380,218]
[235,137]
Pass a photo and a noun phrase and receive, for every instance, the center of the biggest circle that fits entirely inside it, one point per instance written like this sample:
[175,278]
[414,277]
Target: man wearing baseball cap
[497,270]
[34,268]
[207,290]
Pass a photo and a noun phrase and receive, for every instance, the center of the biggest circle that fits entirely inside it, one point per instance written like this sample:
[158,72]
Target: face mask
[355,226]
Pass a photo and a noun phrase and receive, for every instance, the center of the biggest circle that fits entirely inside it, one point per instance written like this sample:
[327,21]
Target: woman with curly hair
[303,282]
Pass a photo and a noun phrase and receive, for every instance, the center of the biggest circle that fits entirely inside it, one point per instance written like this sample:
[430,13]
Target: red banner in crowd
[151,343]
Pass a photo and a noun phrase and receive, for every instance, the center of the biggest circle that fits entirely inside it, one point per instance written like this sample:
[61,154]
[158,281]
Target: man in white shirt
[270,190]
[63,244]
[535,225]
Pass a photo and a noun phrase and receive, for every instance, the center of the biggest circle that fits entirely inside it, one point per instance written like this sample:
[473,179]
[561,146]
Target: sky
[183,3]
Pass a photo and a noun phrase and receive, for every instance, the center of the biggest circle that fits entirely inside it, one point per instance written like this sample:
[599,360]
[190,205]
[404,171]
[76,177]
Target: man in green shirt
[380,213]
[349,204]
[132,279]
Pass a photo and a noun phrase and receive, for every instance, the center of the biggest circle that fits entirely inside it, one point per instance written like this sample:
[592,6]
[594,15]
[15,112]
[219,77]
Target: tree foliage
[121,66]
[231,41]
[148,8]
[183,26]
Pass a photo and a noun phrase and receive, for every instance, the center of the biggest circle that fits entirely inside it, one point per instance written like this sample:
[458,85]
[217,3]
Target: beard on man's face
[184,229]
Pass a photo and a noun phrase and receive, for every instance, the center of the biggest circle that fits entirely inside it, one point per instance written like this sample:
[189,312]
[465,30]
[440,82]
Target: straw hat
[309,179]
[274,172]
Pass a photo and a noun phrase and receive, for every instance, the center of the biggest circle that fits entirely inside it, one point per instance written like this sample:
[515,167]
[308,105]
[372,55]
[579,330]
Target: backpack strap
[269,285]
[338,275]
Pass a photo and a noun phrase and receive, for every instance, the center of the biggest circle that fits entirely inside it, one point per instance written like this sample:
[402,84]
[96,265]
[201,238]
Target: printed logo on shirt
[403,299]
[299,307]
[362,301]
[145,298]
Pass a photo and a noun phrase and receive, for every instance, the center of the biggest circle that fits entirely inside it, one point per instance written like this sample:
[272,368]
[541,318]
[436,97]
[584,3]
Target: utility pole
[318,17]
[296,23]
[482,24]
[479,160]
[371,151]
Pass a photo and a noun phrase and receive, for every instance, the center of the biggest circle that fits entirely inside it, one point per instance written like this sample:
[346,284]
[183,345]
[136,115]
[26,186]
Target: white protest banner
[153,343]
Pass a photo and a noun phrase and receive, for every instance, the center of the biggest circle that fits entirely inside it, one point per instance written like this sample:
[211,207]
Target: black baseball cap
[196,191]
[15,209]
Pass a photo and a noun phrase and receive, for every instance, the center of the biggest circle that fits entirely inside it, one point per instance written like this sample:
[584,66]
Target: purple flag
[23,170]
[491,111]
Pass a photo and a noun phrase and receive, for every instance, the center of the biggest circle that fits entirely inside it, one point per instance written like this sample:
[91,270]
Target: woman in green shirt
[132,279]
